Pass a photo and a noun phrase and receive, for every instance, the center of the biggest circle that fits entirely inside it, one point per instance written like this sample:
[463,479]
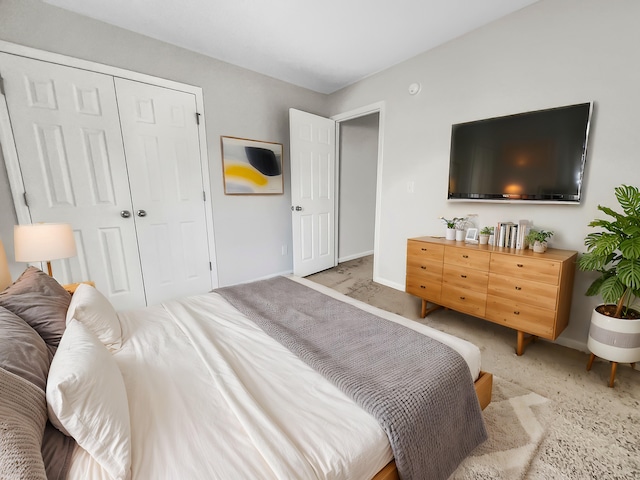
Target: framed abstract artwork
[251,167]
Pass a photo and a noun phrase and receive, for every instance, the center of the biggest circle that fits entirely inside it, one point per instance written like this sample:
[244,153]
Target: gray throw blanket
[420,391]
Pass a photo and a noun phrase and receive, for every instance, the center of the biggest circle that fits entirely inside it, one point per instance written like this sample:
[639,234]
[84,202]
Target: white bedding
[211,396]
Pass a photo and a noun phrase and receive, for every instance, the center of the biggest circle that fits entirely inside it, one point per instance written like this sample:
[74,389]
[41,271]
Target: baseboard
[353,257]
[388,283]
[571,343]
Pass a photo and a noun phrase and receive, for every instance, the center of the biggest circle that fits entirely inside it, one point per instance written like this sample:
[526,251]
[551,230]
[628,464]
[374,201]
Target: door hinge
[210,267]
[24,195]
[197,118]
[2,86]
[204,196]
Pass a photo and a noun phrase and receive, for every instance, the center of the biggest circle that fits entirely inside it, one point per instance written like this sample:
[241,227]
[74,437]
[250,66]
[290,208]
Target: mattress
[211,396]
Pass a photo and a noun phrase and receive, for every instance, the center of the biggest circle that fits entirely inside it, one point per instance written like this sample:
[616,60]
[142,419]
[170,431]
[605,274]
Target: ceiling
[322,45]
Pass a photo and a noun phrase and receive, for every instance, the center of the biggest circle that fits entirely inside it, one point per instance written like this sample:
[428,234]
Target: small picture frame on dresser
[472,235]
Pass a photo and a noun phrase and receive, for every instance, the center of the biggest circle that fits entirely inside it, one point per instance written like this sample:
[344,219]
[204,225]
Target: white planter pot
[484,239]
[459,235]
[614,339]
[451,234]
[540,247]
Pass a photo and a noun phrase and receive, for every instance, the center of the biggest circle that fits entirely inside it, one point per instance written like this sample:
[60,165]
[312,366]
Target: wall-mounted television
[533,156]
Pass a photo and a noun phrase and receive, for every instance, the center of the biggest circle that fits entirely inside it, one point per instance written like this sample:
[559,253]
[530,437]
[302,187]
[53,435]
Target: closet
[120,160]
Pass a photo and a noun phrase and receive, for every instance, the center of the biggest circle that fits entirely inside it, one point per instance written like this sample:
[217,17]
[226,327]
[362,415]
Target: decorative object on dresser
[614,333]
[519,289]
[451,226]
[537,239]
[485,233]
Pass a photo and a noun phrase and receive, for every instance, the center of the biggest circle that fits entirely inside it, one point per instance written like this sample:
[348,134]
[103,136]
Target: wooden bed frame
[483,386]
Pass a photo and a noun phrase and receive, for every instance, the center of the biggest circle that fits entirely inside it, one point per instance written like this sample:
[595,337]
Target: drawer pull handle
[462,298]
[422,286]
[423,249]
[519,265]
[463,276]
[423,267]
[516,313]
[518,288]
[465,256]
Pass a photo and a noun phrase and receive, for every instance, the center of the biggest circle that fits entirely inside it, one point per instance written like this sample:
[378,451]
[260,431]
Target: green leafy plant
[486,231]
[615,253]
[453,222]
[538,236]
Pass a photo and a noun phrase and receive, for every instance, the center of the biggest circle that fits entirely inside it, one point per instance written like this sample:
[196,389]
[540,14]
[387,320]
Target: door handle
[141,213]
[125,213]
[297,208]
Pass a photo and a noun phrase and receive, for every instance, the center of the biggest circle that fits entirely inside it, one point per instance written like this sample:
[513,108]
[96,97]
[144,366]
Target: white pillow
[94,310]
[87,399]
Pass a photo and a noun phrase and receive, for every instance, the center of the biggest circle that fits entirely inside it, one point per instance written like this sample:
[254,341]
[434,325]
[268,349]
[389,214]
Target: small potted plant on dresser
[485,233]
[537,239]
[451,227]
[614,253]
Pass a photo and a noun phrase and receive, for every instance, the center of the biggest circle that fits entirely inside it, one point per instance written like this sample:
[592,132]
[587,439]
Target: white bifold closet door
[118,160]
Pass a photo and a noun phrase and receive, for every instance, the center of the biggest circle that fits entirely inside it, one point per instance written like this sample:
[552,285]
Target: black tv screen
[538,156]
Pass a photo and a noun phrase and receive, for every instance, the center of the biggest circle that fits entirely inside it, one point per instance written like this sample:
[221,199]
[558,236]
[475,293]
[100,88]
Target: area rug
[517,421]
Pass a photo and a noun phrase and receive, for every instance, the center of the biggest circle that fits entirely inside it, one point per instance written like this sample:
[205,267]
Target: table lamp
[5,274]
[43,242]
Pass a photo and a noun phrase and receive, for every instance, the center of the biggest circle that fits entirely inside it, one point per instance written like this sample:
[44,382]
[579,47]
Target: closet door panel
[161,142]
[67,134]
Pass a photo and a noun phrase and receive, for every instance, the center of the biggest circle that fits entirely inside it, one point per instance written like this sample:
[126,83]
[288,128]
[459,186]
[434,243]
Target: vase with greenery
[452,226]
[538,239]
[485,233]
[614,253]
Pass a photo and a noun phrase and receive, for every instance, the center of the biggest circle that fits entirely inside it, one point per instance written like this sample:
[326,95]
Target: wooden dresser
[529,292]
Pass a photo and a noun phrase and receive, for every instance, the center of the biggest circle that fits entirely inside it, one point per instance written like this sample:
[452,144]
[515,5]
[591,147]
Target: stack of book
[511,234]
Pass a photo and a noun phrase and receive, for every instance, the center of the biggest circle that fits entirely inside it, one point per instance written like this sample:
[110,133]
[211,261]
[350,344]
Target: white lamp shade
[5,274]
[43,242]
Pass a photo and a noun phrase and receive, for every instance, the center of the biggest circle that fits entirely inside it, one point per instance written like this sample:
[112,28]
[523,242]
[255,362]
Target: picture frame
[251,167]
[471,236]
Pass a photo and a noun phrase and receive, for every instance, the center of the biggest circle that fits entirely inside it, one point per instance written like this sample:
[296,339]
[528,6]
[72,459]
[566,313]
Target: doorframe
[378,107]
[10,153]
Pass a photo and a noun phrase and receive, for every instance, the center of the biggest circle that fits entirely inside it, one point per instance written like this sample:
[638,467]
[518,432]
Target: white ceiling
[322,45]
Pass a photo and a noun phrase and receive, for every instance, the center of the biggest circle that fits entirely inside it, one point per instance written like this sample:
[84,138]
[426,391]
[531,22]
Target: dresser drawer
[424,287]
[519,316]
[464,300]
[541,295]
[467,257]
[527,268]
[420,251]
[465,278]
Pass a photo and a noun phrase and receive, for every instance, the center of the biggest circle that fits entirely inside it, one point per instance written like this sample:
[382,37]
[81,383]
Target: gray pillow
[23,414]
[41,302]
[22,350]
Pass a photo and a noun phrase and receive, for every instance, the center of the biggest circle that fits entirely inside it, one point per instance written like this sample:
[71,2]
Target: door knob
[125,213]
[141,213]
[297,208]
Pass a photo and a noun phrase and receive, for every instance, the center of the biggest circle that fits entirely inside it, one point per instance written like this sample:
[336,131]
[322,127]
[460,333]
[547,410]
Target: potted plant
[461,224]
[485,233]
[614,253]
[538,239]
[451,227]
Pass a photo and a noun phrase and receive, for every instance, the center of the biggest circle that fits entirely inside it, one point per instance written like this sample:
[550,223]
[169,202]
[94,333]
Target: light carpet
[517,421]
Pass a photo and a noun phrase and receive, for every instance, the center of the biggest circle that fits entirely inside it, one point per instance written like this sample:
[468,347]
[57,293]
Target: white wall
[555,52]
[249,231]
[358,172]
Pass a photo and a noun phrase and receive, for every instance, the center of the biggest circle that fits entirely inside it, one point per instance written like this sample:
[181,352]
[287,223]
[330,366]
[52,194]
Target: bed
[192,388]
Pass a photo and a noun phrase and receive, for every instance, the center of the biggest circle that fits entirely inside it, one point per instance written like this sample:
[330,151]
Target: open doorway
[358,143]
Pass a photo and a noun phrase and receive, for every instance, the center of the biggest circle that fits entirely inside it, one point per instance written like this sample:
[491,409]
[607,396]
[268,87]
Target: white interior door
[68,141]
[313,192]
[162,147]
